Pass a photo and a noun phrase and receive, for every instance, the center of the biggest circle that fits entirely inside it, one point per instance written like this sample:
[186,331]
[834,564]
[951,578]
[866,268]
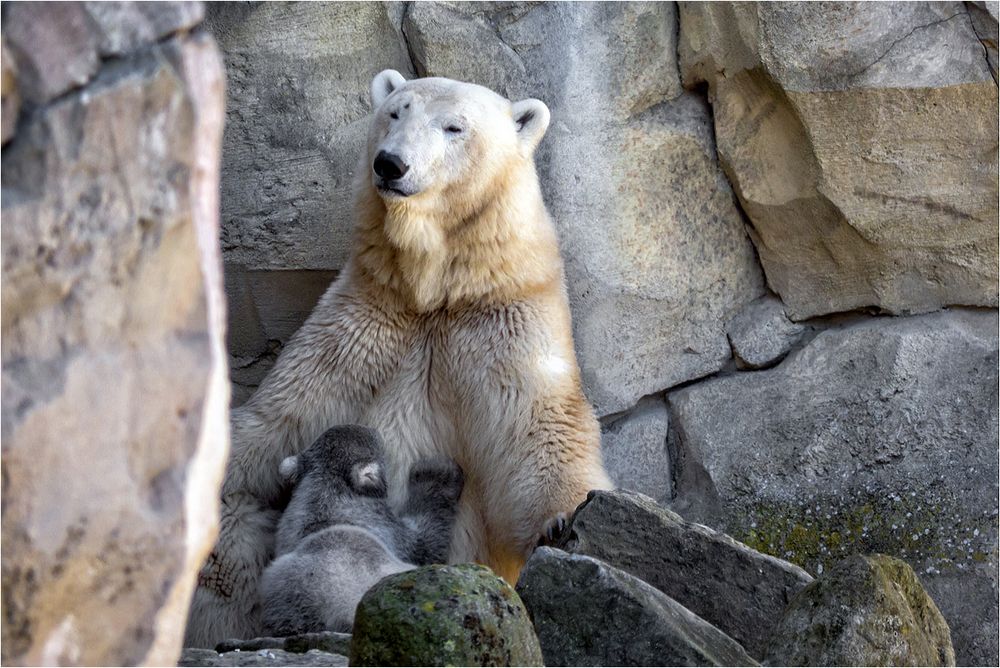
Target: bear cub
[338,536]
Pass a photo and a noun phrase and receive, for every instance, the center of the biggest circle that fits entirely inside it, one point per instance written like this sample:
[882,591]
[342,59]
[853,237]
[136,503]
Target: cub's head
[345,459]
[437,137]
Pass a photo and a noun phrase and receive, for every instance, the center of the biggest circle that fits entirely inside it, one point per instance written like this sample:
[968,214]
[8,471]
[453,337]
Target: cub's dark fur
[339,536]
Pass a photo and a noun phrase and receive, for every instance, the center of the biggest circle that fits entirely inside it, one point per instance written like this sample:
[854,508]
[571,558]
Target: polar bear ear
[384,83]
[531,118]
[289,469]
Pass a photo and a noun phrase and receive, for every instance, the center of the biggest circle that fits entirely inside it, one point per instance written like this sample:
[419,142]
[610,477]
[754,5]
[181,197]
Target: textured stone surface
[861,139]
[867,611]
[587,613]
[265,309]
[297,114]
[443,616]
[114,420]
[634,448]
[55,45]
[761,333]
[261,657]
[984,22]
[885,441]
[740,591]
[125,26]
[656,255]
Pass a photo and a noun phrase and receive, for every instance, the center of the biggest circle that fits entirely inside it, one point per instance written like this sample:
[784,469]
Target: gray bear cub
[338,536]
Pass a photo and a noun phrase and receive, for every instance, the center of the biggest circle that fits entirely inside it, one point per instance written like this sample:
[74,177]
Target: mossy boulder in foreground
[867,611]
[443,615]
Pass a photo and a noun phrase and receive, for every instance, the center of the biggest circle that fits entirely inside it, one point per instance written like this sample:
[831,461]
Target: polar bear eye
[454,129]
[394,115]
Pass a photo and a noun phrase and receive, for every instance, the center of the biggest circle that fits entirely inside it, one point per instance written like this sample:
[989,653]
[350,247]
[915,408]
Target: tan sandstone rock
[861,139]
[114,419]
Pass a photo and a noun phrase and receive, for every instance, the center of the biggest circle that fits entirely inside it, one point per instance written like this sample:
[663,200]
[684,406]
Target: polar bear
[338,536]
[448,331]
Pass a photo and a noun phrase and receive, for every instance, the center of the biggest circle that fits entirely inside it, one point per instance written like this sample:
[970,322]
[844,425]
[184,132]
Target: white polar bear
[448,331]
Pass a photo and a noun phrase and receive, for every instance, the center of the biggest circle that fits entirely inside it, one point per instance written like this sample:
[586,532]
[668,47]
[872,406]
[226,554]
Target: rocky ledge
[629,583]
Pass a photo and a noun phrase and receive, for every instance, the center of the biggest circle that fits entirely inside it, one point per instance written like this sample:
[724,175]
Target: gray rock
[460,615]
[587,613]
[885,441]
[327,641]
[261,657]
[55,46]
[114,384]
[867,611]
[853,206]
[740,591]
[654,264]
[761,333]
[126,26]
[634,448]
[984,22]
[265,309]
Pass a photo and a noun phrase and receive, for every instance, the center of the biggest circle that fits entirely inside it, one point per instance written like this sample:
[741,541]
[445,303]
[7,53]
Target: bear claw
[554,530]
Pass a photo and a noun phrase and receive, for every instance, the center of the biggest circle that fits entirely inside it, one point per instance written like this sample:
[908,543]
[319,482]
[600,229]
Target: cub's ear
[289,470]
[531,118]
[368,479]
[384,83]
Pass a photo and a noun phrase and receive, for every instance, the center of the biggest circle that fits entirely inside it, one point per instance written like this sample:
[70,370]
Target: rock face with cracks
[114,373]
[735,588]
[861,139]
[903,462]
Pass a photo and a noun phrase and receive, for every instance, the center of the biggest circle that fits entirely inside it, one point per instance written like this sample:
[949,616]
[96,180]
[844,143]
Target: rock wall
[115,391]
[755,204]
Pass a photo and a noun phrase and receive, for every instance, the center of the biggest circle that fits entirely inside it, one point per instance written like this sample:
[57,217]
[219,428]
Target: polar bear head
[435,139]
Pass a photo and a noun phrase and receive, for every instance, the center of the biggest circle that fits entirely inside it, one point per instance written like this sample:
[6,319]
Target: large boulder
[861,139]
[738,590]
[587,613]
[866,611]
[443,616]
[655,249]
[885,441]
[114,419]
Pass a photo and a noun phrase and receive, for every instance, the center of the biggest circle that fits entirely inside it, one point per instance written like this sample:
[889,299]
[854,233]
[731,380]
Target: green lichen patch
[866,611]
[443,616]
[926,527]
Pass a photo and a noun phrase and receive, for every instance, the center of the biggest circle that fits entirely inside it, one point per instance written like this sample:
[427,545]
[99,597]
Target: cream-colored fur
[448,331]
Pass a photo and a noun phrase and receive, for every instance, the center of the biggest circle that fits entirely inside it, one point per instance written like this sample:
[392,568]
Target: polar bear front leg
[326,375]
[542,472]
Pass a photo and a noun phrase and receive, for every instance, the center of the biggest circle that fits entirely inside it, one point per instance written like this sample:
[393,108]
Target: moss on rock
[443,615]
[867,611]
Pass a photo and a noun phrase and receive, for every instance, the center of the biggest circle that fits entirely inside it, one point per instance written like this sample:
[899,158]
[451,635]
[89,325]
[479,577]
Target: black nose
[389,166]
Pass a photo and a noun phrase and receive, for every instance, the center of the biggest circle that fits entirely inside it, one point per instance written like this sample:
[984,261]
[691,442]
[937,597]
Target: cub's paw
[438,477]
[553,530]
